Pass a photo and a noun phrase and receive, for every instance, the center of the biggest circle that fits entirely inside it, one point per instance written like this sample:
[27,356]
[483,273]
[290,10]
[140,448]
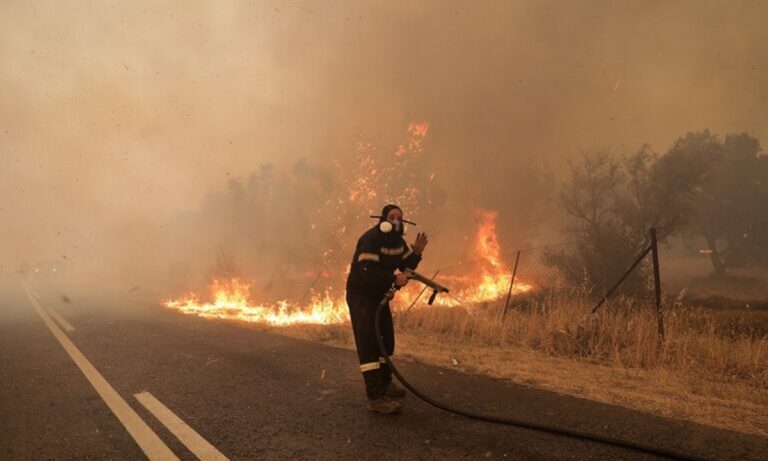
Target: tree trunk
[714,256]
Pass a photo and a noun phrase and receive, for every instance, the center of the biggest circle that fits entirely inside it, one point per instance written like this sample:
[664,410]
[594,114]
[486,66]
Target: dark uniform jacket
[376,257]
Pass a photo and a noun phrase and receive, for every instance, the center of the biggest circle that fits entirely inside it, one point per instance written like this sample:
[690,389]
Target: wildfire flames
[492,280]
[487,279]
[232,299]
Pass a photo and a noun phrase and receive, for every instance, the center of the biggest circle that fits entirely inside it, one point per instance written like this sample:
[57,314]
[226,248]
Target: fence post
[511,284]
[657,283]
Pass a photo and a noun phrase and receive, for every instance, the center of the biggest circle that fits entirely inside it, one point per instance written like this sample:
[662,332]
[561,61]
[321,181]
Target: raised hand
[420,243]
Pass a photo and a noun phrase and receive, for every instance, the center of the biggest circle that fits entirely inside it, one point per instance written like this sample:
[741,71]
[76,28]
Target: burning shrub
[225,266]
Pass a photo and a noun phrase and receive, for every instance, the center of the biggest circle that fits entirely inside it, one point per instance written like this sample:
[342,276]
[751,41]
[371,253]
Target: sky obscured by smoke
[119,120]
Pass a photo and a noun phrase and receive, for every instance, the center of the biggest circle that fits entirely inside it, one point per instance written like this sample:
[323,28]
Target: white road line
[149,442]
[194,441]
[61,320]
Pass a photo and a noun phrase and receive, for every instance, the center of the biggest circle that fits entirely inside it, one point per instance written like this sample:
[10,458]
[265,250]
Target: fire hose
[498,419]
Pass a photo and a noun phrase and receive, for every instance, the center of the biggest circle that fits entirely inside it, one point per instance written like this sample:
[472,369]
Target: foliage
[729,209]
[612,201]
[701,186]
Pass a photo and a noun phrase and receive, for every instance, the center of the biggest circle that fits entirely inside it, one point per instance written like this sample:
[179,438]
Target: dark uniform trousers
[371,275]
[362,312]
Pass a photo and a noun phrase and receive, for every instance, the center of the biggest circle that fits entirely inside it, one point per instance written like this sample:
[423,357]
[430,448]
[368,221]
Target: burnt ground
[254,394]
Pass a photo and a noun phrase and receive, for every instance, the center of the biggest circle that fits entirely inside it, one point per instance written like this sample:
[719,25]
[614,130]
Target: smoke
[136,138]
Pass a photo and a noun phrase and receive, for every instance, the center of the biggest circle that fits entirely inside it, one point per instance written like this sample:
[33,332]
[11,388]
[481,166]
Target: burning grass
[706,370]
[232,301]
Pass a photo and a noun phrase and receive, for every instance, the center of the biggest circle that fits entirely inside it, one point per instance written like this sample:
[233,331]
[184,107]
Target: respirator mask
[391,229]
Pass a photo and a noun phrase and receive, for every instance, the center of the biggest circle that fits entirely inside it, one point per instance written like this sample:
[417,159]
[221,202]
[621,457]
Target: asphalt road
[249,393]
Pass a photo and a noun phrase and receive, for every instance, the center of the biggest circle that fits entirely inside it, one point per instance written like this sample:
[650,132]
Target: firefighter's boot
[394,390]
[384,405]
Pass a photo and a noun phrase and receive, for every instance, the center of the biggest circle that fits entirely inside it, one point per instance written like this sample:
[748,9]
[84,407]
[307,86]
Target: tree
[612,201]
[592,197]
[729,209]
[589,195]
[701,186]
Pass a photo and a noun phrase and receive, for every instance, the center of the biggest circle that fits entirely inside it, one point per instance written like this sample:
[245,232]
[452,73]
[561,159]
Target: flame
[495,277]
[491,282]
[417,131]
[486,242]
[232,301]
[488,280]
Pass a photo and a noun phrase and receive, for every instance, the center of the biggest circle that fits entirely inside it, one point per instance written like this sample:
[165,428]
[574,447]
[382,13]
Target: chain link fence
[599,271]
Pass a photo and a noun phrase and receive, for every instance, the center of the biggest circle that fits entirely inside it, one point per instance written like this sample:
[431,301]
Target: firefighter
[380,252]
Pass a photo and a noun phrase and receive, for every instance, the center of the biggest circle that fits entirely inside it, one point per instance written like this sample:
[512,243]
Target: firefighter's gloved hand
[420,243]
[401,280]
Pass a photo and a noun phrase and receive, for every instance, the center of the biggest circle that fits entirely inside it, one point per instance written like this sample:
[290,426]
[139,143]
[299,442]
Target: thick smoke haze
[127,127]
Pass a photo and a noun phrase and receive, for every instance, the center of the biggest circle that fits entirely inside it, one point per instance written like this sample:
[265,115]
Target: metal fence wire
[596,271]
[599,271]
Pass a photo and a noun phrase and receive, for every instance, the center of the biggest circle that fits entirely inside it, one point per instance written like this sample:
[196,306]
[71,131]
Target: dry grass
[706,370]
[623,334]
[731,406]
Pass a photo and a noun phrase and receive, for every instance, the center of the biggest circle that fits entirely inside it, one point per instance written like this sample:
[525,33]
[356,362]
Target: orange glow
[486,242]
[417,132]
[491,281]
[231,300]
[487,280]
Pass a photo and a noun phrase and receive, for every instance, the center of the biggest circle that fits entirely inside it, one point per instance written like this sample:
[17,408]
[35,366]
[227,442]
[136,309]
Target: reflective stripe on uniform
[392,251]
[368,257]
[370,366]
[382,360]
